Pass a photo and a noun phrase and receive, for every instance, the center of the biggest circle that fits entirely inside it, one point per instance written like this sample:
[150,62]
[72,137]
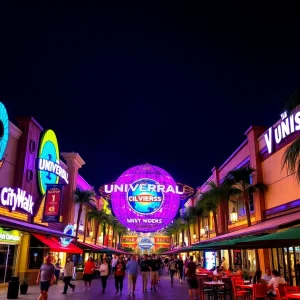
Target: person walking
[190,274]
[132,269]
[172,270]
[68,274]
[45,277]
[113,263]
[180,268]
[57,270]
[154,266]
[104,272]
[88,273]
[145,270]
[119,275]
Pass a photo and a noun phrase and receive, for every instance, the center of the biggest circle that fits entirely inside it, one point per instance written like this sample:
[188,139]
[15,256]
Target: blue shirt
[132,267]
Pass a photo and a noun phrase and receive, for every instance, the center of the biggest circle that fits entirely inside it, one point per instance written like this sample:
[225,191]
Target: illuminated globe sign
[145,244]
[49,170]
[145,198]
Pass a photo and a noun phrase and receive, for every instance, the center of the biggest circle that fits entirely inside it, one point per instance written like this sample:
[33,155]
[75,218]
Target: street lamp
[202,232]
[233,216]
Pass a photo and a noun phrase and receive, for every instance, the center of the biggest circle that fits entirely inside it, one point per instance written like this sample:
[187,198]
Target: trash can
[13,288]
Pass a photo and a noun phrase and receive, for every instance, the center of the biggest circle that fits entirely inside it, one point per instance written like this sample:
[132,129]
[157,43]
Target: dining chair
[238,293]
[259,291]
[291,289]
[227,290]
[281,290]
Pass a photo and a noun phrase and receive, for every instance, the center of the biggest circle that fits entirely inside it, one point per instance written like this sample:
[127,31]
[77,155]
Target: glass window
[8,254]
[37,252]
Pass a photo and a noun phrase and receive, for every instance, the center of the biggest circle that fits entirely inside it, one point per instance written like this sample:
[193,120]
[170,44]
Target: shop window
[37,252]
[8,254]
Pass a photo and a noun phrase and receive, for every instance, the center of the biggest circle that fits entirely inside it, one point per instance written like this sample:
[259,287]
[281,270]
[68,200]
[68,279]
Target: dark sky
[175,86]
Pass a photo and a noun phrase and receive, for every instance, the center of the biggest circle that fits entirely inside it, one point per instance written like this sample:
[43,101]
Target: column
[74,163]
[253,134]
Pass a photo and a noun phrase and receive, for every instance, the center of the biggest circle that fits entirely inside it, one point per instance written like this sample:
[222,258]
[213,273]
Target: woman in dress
[104,272]
[88,273]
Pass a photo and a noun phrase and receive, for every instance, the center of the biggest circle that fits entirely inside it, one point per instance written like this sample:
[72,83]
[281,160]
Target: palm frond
[85,196]
[293,101]
[291,158]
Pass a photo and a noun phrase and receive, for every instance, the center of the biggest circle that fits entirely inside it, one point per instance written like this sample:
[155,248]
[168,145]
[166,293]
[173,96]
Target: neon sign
[4,132]
[145,198]
[287,126]
[145,244]
[49,170]
[69,229]
[18,198]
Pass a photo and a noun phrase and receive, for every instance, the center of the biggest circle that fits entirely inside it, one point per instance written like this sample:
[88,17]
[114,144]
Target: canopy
[289,237]
[55,246]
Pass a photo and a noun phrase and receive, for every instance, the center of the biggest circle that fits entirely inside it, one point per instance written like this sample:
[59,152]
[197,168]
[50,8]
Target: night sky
[175,86]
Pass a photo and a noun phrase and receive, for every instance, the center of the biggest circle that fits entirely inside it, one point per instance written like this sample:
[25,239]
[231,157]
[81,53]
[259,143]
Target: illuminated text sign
[16,198]
[287,126]
[52,167]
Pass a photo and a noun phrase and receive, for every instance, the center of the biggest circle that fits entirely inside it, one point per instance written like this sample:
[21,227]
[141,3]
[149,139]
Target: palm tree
[82,198]
[98,216]
[120,230]
[189,218]
[291,156]
[200,213]
[171,231]
[210,201]
[242,186]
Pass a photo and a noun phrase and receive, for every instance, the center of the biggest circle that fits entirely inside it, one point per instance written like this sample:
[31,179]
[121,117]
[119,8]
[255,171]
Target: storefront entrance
[8,255]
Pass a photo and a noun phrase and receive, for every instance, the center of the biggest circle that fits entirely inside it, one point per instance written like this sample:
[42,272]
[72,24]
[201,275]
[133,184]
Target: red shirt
[120,269]
[89,267]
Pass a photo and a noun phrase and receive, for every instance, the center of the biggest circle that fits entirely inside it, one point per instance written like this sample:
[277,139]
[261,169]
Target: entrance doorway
[8,254]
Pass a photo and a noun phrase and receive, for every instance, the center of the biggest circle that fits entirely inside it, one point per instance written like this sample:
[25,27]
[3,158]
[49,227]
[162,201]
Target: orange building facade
[275,208]
[23,232]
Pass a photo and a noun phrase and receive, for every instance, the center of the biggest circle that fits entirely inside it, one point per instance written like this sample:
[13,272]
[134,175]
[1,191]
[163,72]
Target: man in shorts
[190,275]
[46,277]
[154,266]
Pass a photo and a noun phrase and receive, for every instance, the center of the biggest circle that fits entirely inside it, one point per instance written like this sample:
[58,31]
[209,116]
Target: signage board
[10,236]
[4,132]
[145,244]
[49,170]
[52,203]
[287,126]
[16,198]
[65,241]
[145,198]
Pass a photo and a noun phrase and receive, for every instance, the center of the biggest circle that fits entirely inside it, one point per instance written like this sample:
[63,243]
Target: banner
[52,203]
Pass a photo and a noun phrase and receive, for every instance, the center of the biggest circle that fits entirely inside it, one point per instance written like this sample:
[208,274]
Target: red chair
[239,293]
[291,289]
[281,290]
[260,291]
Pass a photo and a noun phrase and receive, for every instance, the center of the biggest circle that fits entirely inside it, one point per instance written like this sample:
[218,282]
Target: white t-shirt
[267,278]
[114,262]
[104,270]
[274,282]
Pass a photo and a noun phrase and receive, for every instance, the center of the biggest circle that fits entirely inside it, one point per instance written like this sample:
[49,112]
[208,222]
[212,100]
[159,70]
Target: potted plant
[24,286]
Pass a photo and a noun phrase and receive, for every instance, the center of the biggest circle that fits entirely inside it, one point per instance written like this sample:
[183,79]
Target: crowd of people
[149,267]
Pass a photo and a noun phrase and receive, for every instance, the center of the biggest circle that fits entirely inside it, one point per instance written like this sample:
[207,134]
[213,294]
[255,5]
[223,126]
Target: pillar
[253,134]
[74,163]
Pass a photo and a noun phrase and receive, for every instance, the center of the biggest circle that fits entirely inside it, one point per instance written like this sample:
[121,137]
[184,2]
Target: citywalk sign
[16,198]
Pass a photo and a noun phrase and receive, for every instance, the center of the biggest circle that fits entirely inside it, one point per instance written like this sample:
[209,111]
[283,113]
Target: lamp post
[233,216]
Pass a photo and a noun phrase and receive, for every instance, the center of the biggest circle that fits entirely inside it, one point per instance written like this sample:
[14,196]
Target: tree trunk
[78,221]
[104,233]
[247,207]
[215,223]
[182,237]
[189,235]
[199,228]
[226,215]
[96,232]
[113,237]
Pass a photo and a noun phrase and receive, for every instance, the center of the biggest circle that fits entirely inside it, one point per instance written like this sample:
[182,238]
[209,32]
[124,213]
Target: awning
[264,226]
[55,245]
[99,248]
[31,228]
[285,238]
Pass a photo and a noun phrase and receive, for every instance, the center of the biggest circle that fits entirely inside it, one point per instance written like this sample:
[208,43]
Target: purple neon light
[169,207]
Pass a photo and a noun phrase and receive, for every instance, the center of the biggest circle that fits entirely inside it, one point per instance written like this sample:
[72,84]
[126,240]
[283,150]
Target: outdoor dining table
[292,296]
[245,286]
[215,286]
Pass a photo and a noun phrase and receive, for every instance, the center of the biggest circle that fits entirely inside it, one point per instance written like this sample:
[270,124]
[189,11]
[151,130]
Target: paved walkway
[164,291]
